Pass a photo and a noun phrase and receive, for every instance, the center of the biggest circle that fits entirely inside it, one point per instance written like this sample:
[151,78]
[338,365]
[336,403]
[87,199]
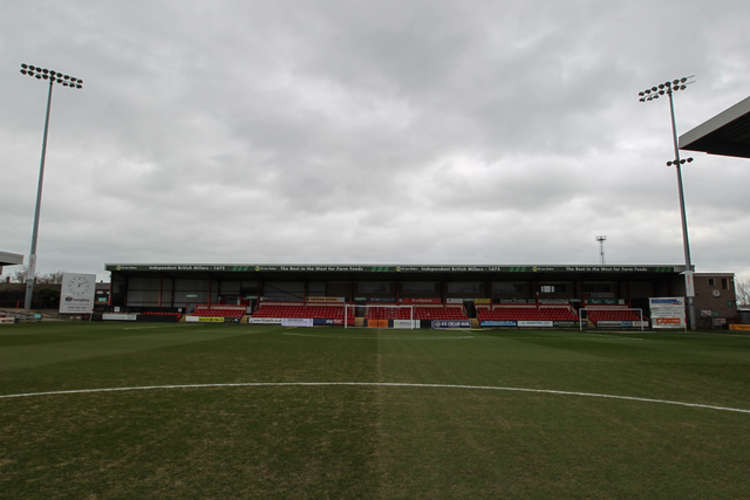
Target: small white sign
[119,316]
[77,293]
[295,322]
[263,321]
[403,324]
[536,324]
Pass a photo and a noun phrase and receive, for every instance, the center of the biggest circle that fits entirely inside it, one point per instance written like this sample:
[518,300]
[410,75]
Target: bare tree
[54,278]
[19,276]
[742,291]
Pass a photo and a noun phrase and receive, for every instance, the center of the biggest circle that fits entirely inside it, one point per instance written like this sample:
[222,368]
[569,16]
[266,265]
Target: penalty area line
[378,384]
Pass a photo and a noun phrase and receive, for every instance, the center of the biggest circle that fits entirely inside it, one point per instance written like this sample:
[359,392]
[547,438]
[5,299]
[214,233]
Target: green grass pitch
[373,441]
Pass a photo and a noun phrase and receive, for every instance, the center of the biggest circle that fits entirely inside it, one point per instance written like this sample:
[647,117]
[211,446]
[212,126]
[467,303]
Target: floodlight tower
[668,88]
[601,239]
[66,81]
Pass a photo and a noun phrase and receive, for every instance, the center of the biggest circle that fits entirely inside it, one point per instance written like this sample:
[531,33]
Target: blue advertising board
[327,321]
[497,323]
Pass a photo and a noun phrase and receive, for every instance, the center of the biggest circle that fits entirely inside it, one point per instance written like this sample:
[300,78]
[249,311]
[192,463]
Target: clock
[80,287]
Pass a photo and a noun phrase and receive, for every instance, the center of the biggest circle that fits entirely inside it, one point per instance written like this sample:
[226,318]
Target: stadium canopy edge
[390,269]
[727,133]
[10,259]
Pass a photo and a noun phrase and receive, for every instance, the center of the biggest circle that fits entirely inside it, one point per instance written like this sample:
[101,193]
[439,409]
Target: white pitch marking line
[377,384]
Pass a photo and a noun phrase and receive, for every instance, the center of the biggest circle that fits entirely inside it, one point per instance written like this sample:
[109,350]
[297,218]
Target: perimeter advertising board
[327,321]
[667,312]
[190,318]
[536,324]
[298,322]
[493,322]
[621,324]
[405,324]
[119,316]
[450,323]
[263,321]
[77,293]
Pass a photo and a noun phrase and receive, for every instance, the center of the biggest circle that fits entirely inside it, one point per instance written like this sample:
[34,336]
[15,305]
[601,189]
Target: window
[710,282]
[548,288]
[723,283]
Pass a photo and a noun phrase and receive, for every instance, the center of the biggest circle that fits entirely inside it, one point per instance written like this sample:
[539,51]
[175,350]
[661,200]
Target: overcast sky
[424,132]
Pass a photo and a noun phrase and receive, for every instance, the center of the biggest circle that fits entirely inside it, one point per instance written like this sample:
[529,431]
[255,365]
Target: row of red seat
[526,314]
[441,313]
[226,313]
[337,312]
[302,311]
[388,313]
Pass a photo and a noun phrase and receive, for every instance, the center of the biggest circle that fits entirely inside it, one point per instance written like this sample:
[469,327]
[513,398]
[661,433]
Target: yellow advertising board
[211,319]
[739,327]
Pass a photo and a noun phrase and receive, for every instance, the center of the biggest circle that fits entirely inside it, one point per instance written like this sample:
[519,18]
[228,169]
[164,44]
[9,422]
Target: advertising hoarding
[667,312]
[298,322]
[405,324]
[536,324]
[498,323]
[621,324]
[119,316]
[204,319]
[263,321]
[451,324]
[77,293]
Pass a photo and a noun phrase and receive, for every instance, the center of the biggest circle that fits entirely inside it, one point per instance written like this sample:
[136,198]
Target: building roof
[727,133]
[10,259]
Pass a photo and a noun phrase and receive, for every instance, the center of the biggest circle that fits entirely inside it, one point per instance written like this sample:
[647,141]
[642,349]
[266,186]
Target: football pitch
[155,410]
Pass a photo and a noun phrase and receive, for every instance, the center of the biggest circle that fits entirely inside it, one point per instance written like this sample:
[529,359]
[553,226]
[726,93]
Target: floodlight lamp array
[53,76]
[667,87]
[679,162]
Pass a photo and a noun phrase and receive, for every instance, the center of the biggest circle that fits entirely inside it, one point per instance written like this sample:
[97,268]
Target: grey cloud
[370,131]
